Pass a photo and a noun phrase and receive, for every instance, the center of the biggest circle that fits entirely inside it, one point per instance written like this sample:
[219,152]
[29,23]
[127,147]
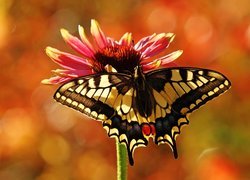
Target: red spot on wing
[152,127]
[148,129]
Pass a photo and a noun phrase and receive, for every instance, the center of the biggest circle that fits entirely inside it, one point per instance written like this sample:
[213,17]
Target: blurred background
[43,140]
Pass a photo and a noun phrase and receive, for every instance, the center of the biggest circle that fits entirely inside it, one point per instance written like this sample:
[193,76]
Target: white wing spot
[97,94]
[226,83]
[132,143]
[81,106]
[185,87]
[67,86]
[102,117]
[181,121]
[210,93]
[212,79]
[113,131]
[104,82]
[200,72]
[216,89]
[198,101]
[169,139]
[104,95]
[68,100]
[175,129]
[184,110]
[92,83]
[84,91]
[58,95]
[204,80]
[178,89]
[199,83]
[80,81]
[90,93]
[192,85]
[79,88]
[204,96]
[176,75]
[74,103]
[221,86]
[87,111]
[189,75]
[192,106]
[94,114]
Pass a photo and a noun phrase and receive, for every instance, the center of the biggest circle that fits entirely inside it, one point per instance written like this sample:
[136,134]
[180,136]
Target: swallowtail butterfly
[135,107]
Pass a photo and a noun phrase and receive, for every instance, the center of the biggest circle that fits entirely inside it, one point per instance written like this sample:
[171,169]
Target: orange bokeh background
[43,140]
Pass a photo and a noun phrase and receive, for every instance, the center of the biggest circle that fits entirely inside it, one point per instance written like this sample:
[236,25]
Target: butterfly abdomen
[144,98]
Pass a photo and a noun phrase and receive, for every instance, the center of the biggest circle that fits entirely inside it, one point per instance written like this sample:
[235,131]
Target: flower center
[122,58]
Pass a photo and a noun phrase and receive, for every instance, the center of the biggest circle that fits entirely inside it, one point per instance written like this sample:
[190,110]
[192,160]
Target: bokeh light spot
[16,129]
[247,35]
[198,29]
[161,19]
[60,118]
[54,149]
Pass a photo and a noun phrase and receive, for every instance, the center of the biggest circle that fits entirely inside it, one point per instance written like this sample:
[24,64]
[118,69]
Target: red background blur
[43,140]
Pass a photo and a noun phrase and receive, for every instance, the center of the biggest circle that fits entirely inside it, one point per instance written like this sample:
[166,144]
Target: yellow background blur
[43,140]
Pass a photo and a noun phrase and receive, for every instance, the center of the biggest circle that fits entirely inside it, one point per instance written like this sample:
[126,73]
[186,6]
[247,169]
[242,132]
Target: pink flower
[122,55]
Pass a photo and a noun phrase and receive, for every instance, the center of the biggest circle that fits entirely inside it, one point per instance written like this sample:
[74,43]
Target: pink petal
[85,39]
[72,73]
[157,45]
[126,39]
[153,65]
[77,45]
[143,42]
[98,35]
[163,61]
[66,60]
[55,80]
[64,75]
[170,57]
[111,41]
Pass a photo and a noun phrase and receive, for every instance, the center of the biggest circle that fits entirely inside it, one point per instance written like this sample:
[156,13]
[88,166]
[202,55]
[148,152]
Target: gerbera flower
[132,104]
[122,55]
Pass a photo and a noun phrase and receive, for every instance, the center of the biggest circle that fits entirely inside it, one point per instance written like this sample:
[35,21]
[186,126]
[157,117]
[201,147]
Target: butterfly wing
[109,98]
[181,90]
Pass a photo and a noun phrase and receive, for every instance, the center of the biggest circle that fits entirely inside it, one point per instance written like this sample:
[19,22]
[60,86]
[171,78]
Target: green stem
[121,153]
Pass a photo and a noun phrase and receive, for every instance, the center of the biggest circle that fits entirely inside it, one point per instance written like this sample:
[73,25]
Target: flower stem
[121,153]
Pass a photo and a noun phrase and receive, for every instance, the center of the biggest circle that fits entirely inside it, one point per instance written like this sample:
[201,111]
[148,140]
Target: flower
[122,55]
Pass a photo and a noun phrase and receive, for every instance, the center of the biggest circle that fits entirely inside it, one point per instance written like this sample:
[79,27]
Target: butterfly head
[138,71]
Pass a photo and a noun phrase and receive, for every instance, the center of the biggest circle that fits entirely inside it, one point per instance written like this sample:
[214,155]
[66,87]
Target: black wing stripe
[195,98]
[83,103]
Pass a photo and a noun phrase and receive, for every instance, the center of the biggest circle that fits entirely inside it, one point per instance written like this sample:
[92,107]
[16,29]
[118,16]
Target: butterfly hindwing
[184,90]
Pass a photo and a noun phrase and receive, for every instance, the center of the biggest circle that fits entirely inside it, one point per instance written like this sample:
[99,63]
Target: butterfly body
[136,106]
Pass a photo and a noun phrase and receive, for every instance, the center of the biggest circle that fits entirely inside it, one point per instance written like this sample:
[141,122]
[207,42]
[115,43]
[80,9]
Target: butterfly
[134,107]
